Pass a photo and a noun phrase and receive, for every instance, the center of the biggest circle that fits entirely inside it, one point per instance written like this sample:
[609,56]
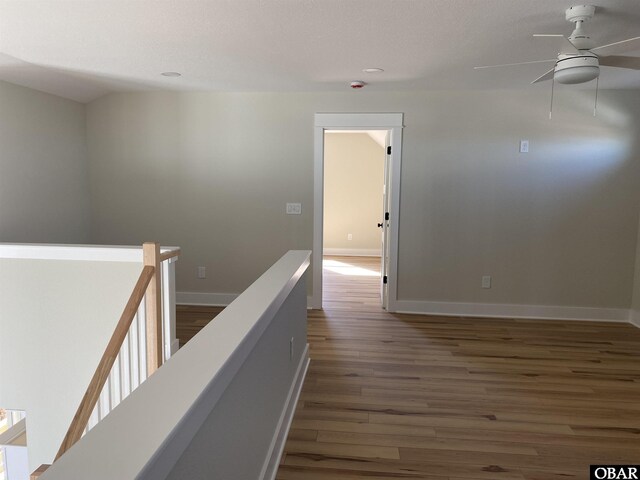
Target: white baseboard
[270,467]
[175,345]
[542,312]
[205,299]
[212,299]
[352,252]
[458,309]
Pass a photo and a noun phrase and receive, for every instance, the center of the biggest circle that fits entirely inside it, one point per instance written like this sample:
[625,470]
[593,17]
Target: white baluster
[169,304]
[94,418]
[125,377]
[105,406]
[166,332]
[114,384]
[134,354]
[142,342]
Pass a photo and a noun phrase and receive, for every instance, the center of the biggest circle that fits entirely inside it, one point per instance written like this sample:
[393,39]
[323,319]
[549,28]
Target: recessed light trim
[373,70]
[171,74]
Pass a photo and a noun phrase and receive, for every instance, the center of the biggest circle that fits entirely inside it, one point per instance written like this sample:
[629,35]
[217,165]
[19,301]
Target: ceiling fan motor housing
[580,13]
[572,69]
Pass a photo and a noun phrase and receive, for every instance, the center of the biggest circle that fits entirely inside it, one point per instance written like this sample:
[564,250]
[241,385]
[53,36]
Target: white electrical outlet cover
[294,208]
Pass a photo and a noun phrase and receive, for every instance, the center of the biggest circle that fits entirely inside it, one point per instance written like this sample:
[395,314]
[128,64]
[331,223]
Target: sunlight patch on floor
[346,269]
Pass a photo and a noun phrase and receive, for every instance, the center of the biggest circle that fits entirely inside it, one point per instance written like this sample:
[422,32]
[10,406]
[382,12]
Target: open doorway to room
[381,125]
[354,206]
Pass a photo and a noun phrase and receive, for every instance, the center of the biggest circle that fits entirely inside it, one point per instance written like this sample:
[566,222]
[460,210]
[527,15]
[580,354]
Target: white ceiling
[82,49]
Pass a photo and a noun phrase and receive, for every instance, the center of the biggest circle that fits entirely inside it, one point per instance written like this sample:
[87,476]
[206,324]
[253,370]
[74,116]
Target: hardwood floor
[392,396]
[191,319]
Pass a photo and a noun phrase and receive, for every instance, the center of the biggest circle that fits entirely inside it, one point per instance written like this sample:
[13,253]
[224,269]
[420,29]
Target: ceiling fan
[579,60]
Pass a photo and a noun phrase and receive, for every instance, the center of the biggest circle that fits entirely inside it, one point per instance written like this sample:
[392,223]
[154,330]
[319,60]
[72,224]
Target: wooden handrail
[91,396]
[167,255]
[39,471]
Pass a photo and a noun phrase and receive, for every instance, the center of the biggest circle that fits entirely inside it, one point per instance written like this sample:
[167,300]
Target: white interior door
[394,123]
[384,223]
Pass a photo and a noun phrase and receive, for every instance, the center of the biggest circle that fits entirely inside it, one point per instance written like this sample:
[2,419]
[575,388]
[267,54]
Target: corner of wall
[634,314]
[46,162]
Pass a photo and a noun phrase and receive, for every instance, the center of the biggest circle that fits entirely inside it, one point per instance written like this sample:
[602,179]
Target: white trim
[356,121]
[352,252]
[270,468]
[542,312]
[214,299]
[634,318]
[175,346]
[394,211]
[14,431]
[96,253]
[205,298]
[318,215]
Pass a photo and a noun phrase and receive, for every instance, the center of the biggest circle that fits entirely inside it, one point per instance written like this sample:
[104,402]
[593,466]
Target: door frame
[357,121]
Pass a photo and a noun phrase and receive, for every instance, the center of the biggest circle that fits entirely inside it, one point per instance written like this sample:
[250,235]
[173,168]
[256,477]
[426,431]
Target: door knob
[380,225]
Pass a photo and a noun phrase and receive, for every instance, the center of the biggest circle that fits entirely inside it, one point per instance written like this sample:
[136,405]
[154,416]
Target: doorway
[389,127]
[354,206]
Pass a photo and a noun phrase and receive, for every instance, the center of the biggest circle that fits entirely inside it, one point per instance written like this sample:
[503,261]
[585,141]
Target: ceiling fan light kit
[572,69]
[578,59]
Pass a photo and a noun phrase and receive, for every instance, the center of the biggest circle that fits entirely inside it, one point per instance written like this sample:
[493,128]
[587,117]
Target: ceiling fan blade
[617,47]
[565,46]
[621,62]
[546,76]
[514,64]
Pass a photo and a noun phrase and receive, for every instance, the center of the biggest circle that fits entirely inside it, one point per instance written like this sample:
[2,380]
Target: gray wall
[635,306]
[44,190]
[212,172]
[56,318]
[234,440]
[353,179]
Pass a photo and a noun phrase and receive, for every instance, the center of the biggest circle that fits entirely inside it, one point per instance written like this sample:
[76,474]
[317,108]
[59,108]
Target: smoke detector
[357,84]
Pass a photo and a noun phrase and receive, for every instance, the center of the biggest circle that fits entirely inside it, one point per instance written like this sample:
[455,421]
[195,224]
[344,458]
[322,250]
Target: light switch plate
[294,208]
[202,272]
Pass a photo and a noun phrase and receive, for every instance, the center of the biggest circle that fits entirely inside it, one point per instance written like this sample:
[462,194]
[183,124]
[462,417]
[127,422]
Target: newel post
[153,307]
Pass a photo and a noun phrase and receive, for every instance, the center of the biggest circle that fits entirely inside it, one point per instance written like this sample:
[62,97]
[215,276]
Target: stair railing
[148,287]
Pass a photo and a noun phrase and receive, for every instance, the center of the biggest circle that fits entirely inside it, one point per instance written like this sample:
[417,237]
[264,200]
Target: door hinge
[384,279]
[389,150]
[386,215]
